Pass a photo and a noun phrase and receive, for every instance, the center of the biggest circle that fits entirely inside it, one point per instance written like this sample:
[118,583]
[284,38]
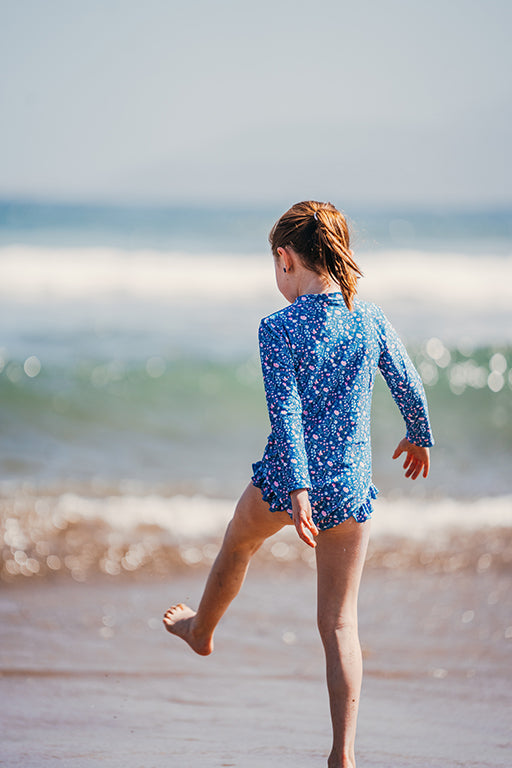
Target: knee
[340,630]
[240,537]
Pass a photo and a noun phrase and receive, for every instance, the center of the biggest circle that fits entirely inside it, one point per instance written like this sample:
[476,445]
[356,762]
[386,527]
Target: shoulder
[373,319]
[367,308]
[303,310]
[371,312]
[282,318]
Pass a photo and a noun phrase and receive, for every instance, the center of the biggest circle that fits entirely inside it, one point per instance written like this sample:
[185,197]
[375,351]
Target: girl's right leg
[252,523]
[341,553]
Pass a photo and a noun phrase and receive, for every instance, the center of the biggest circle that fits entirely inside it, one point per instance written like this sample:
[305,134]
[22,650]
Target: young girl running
[319,357]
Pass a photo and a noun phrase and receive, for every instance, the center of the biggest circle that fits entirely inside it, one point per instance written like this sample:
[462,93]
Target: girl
[319,357]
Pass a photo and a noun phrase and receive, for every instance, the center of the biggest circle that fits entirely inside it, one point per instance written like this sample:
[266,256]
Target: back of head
[319,234]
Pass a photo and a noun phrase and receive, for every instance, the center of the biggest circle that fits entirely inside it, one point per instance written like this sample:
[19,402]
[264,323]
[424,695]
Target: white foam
[185,517]
[464,283]
[449,295]
[29,273]
[199,517]
[452,279]
[423,518]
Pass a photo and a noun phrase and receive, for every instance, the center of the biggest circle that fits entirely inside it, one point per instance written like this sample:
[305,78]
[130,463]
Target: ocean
[131,410]
[132,405]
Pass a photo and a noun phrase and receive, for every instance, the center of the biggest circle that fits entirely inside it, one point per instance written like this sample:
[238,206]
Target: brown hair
[319,234]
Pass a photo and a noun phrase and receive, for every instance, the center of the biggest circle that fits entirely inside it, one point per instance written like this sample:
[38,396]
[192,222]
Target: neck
[313,283]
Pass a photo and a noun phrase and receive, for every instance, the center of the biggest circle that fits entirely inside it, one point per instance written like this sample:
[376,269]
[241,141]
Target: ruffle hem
[326,514]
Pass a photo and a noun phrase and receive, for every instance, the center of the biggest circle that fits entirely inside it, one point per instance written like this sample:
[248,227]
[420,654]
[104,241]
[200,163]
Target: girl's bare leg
[252,523]
[341,553]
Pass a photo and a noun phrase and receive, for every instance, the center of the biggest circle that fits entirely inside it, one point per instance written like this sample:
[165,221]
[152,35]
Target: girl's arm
[405,385]
[284,405]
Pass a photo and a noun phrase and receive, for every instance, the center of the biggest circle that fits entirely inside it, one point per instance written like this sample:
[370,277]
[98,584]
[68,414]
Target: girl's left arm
[405,385]
[284,404]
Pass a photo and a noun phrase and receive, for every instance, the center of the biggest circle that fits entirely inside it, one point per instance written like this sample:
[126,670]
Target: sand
[90,677]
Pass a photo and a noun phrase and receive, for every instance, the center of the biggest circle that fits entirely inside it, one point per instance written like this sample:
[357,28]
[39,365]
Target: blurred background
[147,149]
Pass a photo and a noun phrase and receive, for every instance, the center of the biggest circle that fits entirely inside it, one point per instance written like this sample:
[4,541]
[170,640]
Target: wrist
[297,491]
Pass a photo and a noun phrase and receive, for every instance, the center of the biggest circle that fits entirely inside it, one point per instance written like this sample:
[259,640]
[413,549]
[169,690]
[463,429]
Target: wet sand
[89,675]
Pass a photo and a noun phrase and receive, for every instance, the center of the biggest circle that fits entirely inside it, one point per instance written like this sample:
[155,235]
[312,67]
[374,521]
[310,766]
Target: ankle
[197,631]
[340,760]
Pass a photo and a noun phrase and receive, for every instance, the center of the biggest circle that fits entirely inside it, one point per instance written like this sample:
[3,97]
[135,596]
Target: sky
[379,102]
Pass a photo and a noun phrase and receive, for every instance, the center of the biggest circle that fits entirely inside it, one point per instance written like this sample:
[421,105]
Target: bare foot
[179,621]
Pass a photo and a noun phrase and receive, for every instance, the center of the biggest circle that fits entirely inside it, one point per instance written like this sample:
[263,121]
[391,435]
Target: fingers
[306,528]
[312,530]
[402,447]
[306,534]
[414,468]
[302,517]
[408,459]
[413,465]
[398,452]
[306,537]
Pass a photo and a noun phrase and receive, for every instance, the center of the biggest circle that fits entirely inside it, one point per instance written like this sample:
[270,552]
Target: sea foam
[454,278]
[448,294]
[84,535]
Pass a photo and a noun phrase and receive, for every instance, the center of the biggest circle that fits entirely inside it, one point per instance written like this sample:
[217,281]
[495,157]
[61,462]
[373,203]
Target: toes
[172,611]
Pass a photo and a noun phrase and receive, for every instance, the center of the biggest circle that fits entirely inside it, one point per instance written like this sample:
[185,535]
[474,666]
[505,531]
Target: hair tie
[315,216]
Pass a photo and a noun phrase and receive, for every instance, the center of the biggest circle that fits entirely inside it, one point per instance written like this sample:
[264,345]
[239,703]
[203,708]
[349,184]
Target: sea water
[132,405]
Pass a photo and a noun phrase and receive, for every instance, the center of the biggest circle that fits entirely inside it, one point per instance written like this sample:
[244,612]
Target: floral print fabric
[319,362]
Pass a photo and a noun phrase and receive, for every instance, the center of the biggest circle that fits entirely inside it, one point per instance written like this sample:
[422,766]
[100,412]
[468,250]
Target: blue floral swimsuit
[319,362]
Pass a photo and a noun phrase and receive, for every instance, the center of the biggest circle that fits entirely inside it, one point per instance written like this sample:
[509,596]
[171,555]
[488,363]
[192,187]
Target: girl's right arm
[284,405]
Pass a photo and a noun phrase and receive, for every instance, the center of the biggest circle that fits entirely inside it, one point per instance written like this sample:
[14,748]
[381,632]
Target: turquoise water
[131,395]
[128,343]
[195,425]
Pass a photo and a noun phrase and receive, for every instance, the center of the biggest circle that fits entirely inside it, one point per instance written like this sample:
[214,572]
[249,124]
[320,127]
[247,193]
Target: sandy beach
[89,676]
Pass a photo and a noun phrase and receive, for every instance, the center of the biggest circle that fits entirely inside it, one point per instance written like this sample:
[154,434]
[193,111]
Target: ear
[286,258]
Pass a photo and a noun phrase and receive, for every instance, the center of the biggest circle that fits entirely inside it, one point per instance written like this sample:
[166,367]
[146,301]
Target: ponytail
[319,234]
[334,249]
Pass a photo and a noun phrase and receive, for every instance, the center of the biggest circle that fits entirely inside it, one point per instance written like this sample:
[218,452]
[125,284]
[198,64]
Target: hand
[417,459]
[302,518]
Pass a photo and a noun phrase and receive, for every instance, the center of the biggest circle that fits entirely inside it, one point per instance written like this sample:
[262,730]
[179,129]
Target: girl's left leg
[252,523]
[341,553]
